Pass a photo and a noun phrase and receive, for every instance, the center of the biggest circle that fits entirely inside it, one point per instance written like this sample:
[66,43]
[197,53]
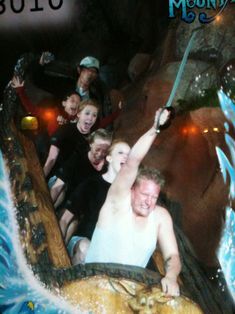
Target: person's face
[87,76]
[99,149]
[118,156]
[87,118]
[71,104]
[144,197]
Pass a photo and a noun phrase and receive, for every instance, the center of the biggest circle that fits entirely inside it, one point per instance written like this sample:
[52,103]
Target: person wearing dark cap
[58,77]
[88,71]
[89,85]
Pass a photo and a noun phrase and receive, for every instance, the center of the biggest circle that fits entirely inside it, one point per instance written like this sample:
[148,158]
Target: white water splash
[20,290]
[226,252]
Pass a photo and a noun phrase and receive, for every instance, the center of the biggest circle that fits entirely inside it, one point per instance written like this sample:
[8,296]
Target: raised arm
[20,90]
[127,174]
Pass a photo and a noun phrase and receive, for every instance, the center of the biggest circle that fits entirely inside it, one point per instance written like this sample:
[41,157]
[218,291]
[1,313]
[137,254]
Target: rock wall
[185,152]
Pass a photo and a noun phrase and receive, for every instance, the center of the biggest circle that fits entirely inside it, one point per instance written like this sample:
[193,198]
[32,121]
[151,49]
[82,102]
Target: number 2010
[17,6]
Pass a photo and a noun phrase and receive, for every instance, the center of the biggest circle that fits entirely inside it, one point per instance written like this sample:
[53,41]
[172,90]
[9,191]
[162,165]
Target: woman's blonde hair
[88,102]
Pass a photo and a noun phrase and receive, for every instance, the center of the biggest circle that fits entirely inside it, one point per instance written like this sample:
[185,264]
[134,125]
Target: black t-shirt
[75,170]
[86,201]
[68,139]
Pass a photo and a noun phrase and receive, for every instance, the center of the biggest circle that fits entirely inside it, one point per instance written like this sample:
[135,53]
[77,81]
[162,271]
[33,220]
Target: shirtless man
[130,224]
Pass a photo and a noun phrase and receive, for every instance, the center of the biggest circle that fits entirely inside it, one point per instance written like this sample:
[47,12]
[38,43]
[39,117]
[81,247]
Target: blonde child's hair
[100,133]
[88,102]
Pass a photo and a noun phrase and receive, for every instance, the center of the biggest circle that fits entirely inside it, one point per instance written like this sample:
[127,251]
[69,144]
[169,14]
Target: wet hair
[100,133]
[70,93]
[148,173]
[114,143]
[88,102]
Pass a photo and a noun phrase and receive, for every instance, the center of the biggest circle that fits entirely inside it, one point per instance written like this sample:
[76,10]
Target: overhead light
[218,18]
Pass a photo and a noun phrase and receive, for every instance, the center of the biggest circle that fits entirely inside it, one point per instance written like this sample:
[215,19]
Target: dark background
[112,31]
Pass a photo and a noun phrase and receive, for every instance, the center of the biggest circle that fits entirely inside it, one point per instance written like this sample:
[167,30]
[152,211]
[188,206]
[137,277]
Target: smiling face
[118,156]
[71,104]
[87,118]
[144,196]
[98,149]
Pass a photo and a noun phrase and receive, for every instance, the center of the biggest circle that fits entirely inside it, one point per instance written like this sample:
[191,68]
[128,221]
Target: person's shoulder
[162,213]
[95,183]
[70,127]
[102,184]
[97,178]
[63,129]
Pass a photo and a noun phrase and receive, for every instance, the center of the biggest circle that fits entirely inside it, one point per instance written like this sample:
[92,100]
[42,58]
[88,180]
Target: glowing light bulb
[29,123]
[193,130]
[48,114]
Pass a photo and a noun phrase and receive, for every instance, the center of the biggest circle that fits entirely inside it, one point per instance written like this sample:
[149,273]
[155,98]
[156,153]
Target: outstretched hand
[46,57]
[162,116]
[16,82]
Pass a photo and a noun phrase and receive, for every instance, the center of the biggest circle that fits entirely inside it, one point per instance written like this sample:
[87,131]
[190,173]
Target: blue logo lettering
[211,9]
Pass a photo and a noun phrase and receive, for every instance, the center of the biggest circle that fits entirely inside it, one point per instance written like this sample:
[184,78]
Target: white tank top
[122,243]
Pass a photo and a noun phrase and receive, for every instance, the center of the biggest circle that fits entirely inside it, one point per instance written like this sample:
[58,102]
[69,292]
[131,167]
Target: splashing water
[20,291]
[226,252]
